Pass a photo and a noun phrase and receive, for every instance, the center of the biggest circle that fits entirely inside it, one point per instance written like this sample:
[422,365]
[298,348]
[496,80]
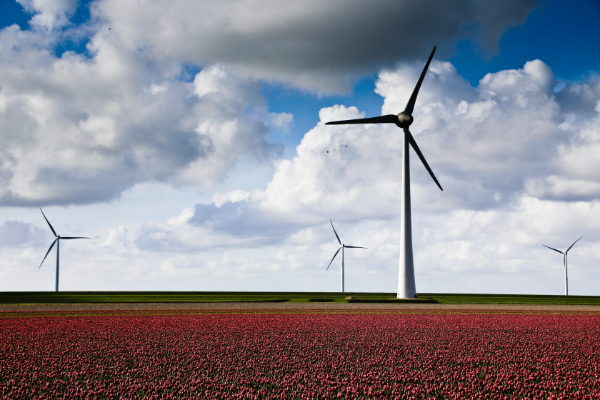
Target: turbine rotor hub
[404,120]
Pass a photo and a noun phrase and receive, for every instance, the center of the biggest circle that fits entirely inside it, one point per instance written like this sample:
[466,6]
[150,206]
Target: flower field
[285,355]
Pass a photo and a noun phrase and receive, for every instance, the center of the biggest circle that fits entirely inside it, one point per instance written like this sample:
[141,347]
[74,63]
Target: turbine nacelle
[406,277]
[565,253]
[404,120]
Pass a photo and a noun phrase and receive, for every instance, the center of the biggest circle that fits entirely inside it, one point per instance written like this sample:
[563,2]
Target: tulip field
[302,354]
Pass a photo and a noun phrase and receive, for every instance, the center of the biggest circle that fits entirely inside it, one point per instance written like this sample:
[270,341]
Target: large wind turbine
[342,247]
[406,275]
[565,263]
[57,241]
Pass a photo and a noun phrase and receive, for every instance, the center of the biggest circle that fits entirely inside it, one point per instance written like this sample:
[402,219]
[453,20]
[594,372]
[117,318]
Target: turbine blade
[384,119]
[354,247]
[412,142]
[573,245]
[410,106]
[48,252]
[53,231]
[66,237]
[336,253]
[336,235]
[551,248]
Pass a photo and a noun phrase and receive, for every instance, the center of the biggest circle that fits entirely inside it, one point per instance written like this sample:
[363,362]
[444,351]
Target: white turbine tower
[406,277]
[565,263]
[342,247]
[57,241]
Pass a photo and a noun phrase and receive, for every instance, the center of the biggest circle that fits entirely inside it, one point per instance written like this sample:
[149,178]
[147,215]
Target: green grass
[176,297]
[459,298]
[293,297]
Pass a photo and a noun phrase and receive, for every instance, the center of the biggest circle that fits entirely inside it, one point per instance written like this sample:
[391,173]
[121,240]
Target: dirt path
[287,306]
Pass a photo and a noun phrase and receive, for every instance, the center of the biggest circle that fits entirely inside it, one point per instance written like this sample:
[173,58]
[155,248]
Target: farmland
[287,297]
[309,354]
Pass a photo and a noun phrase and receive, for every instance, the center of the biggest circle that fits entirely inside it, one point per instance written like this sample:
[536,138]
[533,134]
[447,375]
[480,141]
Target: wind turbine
[342,247]
[565,263]
[406,275]
[57,241]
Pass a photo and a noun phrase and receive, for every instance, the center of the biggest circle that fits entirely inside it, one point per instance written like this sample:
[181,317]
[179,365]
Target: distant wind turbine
[406,276]
[342,247]
[57,241]
[565,263]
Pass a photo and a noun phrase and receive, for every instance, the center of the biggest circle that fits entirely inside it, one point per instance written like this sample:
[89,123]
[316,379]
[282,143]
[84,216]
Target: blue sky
[551,33]
[194,150]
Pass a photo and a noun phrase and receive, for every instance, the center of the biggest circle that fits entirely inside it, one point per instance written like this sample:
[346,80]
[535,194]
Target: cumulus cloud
[19,234]
[491,147]
[310,44]
[49,14]
[281,121]
[517,159]
[500,250]
[76,130]
[580,98]
[83,128]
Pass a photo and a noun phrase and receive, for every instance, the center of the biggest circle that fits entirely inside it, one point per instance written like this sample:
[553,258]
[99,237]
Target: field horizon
[284,297]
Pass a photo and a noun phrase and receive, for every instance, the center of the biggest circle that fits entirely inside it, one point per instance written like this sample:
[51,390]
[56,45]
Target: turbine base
[415,296]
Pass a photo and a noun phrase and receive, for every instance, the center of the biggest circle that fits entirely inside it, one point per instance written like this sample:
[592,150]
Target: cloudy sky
[187,139]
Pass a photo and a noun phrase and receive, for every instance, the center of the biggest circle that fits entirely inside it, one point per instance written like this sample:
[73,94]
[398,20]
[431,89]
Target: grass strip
[297,297]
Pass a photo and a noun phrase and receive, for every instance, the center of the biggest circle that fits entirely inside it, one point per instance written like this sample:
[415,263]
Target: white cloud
[79,130]
[281,120]
[314,45]
[517,160]
[580,98]
[20,234]
[483,143]
[507,156]
[49,14]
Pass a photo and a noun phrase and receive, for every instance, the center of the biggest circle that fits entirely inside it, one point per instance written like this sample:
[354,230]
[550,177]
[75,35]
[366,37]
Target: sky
[188,141]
